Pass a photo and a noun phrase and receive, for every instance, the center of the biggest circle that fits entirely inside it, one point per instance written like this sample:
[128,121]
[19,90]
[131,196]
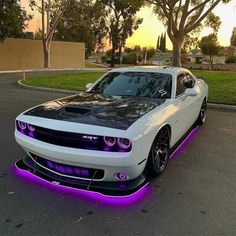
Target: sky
[148,32]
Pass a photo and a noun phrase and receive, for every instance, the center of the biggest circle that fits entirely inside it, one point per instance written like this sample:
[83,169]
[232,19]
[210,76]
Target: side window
[180,88]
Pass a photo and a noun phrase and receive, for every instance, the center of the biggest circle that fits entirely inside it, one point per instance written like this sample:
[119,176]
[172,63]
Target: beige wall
[17,54]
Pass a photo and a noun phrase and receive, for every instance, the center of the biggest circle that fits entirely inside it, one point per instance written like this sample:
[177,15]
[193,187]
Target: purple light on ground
[184,143]
[125,201]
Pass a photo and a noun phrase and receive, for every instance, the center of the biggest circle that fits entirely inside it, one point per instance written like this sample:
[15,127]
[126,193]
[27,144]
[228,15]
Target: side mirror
[89,85]
[191,92]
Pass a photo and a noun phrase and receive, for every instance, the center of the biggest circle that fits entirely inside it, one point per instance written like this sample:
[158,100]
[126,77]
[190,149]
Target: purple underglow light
[184,143]
[125,201]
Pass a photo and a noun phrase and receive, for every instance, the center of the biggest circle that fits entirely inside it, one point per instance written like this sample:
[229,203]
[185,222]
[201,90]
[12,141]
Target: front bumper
[115,188]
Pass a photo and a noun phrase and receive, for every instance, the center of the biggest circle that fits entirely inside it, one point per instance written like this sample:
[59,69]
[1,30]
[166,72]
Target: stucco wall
[17,54]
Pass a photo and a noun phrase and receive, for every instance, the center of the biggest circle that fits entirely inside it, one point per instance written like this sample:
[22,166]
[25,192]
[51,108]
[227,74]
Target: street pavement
[195,196]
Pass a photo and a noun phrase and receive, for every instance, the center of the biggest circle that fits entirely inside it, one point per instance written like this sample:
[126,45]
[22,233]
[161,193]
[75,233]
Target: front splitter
[118,188]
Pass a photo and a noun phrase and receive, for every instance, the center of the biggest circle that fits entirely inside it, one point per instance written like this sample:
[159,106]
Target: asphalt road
[195,196]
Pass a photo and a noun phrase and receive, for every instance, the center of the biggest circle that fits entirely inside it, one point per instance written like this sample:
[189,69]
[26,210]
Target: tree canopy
[13,19]
[121,21]
[182,17]
[210,46]
[233,37]
[83,21]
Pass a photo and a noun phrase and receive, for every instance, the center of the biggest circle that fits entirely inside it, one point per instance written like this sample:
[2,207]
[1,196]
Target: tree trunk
[211,61]
[176,62]
[46,53]
[113,52]
[120,54]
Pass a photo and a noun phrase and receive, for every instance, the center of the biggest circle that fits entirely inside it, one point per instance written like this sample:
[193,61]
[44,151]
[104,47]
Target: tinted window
[140,84]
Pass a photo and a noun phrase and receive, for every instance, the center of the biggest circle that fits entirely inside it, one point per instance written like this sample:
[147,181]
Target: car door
[185,109]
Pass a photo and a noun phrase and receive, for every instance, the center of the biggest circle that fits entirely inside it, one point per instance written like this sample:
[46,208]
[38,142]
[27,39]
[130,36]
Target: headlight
[109,141]
[31,127]
[22,125]
[117,144]
[124,143]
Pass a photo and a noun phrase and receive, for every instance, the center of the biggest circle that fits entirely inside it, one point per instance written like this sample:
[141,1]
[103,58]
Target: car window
[135,84]
[180,88]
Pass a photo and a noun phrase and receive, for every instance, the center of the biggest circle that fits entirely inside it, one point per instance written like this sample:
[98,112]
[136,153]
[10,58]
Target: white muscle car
[111,137]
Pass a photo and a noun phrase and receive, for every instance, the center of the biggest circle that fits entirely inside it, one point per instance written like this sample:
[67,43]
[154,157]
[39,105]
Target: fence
[19,54]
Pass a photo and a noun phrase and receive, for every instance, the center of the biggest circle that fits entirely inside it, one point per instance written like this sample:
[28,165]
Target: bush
[231,59]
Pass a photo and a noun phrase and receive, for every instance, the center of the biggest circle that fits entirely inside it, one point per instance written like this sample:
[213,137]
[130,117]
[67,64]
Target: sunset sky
[148,32]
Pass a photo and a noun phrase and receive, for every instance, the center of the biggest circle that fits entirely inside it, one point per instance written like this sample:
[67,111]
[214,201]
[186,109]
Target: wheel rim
[203,112]
[161,151]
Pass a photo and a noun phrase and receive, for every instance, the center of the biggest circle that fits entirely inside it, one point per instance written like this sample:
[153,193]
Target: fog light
[122,176]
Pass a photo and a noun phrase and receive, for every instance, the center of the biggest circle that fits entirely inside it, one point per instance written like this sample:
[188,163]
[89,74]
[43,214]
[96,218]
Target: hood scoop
[76,109]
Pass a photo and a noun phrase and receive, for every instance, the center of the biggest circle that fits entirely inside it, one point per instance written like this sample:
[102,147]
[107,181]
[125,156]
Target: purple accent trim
[96,197]
[184,143]
[122,144]
[67,169]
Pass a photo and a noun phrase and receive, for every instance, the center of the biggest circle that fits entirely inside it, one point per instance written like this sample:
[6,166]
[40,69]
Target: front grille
[75,171]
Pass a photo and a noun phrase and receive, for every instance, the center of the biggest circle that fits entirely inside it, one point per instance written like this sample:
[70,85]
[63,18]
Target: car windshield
[135,84]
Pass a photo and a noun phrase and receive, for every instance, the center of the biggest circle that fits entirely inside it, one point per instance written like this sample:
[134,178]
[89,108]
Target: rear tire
[202,114]
[159,153]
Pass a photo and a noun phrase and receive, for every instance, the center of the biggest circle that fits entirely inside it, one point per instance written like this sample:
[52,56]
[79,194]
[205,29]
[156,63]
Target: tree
[183,16]
[50,22]
[158,43]
[121,22]
[210,46]
[233,37]
[231,59]
[83,21]
[13,19]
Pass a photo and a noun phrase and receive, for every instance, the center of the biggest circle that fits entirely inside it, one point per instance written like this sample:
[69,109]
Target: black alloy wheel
[159,154]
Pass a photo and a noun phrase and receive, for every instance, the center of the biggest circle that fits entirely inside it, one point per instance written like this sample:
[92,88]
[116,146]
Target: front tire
[159,153]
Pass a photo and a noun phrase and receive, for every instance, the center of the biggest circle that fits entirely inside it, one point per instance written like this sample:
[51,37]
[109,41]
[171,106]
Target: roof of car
[159,69]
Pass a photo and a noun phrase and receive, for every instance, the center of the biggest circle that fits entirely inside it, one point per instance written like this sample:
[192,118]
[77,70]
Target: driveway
[195,196]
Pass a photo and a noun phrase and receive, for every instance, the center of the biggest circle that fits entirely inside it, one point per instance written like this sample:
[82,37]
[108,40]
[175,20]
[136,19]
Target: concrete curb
[222,106]
[25,86]
[21,84]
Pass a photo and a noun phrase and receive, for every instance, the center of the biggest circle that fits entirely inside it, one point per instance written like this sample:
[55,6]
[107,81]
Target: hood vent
[76,109]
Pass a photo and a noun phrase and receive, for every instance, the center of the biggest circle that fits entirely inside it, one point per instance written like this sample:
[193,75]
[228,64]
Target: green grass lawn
[75,81]
[222,85]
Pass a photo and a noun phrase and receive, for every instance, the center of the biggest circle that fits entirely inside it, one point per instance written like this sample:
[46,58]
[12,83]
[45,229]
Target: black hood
[96,109]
